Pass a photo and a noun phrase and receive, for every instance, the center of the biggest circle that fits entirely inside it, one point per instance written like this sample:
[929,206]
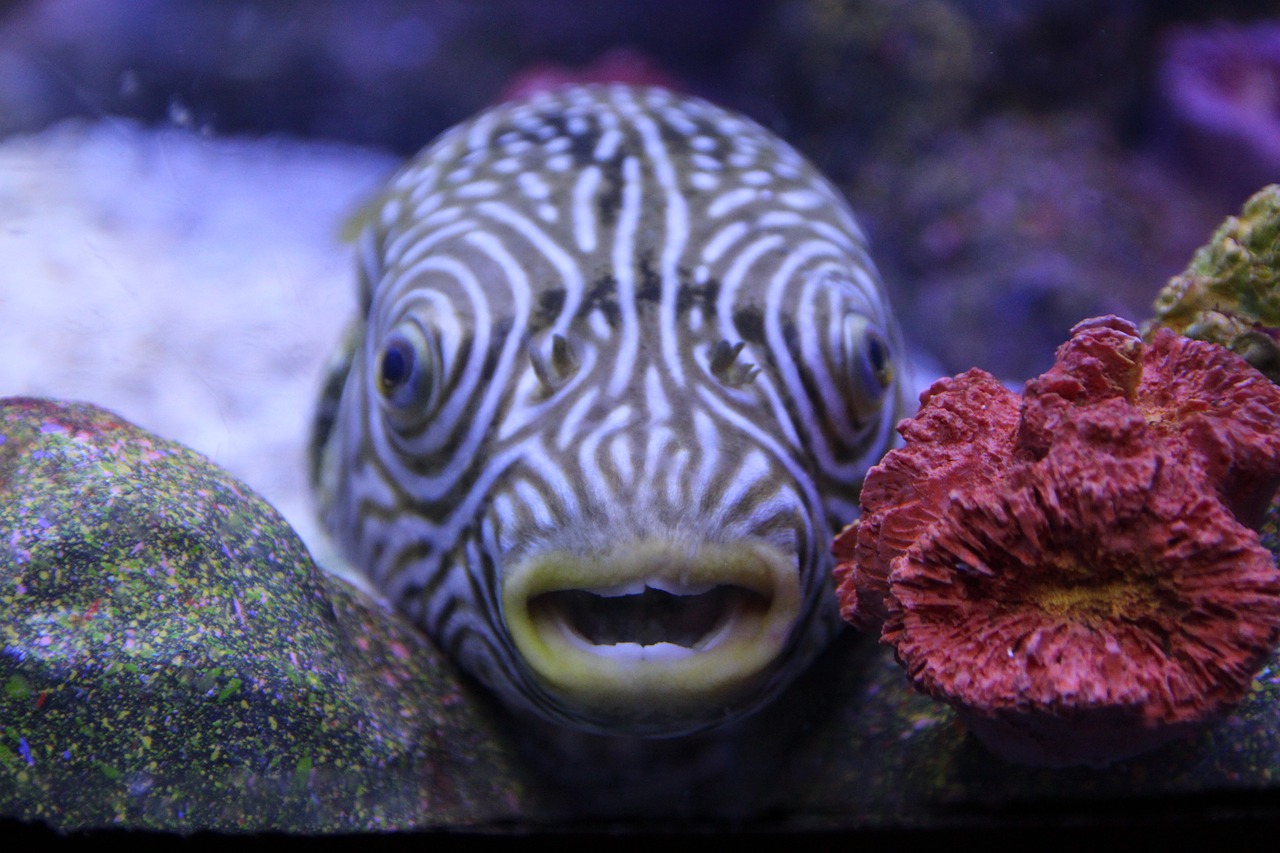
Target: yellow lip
[728,609]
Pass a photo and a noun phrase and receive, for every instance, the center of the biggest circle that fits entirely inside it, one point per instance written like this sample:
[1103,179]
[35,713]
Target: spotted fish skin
[610,340]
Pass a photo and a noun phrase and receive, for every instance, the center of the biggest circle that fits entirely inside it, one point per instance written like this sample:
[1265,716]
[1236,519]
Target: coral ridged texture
[908,490]
[1074,570]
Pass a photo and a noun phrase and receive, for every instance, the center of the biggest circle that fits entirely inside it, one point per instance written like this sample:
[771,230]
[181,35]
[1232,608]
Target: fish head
[603,471]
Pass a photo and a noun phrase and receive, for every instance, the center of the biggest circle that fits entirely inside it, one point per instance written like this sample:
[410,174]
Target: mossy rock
[173,659]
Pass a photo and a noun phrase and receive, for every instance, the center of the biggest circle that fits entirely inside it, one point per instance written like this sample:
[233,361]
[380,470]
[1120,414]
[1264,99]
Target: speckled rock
[172,658]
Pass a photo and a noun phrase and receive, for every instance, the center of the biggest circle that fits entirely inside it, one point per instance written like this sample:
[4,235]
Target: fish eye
[867,361]
[407,373]
[396,367]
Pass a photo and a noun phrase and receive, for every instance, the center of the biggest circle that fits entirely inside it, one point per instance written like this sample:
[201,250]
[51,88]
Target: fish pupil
[878,357]
[394,370]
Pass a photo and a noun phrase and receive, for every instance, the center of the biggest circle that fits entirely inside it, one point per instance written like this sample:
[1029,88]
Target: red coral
[960,436]
[1101,361]
[1074,578]
[619,65]
[1226,418]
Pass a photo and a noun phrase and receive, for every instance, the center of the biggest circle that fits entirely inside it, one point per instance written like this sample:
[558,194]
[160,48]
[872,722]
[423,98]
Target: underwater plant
[1074,570]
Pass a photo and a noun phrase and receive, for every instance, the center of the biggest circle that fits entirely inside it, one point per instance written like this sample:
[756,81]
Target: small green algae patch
[171,658]
[1230,292]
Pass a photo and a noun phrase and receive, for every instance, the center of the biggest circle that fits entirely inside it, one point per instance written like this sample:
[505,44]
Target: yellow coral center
[1089,594]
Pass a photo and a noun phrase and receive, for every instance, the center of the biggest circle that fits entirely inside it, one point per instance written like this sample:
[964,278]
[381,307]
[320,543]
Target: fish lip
[759,583]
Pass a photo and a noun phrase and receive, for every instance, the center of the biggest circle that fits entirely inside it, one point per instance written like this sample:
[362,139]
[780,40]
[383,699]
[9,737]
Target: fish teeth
[671,587]
[620,589]
[674,587]
[630,651]
[635,651]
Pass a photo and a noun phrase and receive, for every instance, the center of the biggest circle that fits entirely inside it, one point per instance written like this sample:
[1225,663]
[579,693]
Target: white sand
[195,286]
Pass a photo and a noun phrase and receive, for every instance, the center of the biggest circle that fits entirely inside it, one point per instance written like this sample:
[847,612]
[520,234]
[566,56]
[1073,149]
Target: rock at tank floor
[172,659]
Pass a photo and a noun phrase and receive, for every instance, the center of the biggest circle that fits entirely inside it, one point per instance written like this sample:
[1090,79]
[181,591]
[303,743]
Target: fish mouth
[652,631]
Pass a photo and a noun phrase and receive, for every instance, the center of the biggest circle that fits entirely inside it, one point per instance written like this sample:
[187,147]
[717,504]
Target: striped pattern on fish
[620,366]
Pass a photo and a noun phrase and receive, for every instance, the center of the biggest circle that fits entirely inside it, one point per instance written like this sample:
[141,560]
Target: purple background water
[1020,164]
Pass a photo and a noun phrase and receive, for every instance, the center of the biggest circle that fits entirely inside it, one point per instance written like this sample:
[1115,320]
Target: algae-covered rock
[1230,293]
[173,659]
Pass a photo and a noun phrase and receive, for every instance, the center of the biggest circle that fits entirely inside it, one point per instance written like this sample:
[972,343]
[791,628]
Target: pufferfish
[620,364]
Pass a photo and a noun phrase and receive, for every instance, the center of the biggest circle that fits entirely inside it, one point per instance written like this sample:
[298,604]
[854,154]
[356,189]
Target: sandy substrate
[196,286]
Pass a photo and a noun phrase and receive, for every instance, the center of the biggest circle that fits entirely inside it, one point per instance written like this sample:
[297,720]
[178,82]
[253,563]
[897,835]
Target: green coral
[1230,293]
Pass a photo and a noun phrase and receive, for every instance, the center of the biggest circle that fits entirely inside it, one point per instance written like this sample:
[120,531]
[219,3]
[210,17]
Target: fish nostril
[556,369]
[724,365]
